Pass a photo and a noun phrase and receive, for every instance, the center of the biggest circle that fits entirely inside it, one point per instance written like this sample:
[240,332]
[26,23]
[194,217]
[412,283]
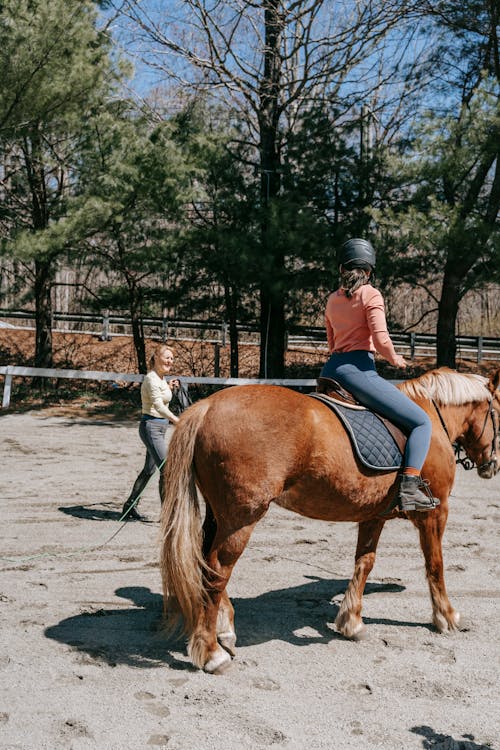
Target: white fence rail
[9,372]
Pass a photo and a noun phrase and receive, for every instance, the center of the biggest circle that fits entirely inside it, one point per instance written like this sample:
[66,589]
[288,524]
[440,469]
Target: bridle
[465,461]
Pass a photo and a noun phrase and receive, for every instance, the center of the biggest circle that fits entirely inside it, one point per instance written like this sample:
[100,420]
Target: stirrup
[414,506]
[422,488]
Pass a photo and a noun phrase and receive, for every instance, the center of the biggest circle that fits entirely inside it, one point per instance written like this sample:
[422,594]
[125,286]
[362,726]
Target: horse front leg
[431,527]
[348,621]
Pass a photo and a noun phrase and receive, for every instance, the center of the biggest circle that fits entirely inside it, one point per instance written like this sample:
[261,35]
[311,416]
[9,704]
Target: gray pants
[156,435]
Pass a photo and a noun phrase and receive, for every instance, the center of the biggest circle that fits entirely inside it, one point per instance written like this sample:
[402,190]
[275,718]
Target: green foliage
[224,241]
[53,64]
[174,211]
[55,71]
[133,183]
[467,44]
[220,245]
[315,210]
[444,214]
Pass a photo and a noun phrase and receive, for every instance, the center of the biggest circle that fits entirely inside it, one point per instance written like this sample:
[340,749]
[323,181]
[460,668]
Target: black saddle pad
[371,440]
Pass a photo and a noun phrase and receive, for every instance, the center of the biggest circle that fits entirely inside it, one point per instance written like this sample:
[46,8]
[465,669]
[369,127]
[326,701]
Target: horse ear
[494,380]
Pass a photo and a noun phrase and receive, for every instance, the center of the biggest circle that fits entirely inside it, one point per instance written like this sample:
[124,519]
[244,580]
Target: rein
[465,461]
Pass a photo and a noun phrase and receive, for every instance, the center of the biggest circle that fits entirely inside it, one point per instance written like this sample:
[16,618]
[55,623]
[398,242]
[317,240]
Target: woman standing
[356,328]
[155,426]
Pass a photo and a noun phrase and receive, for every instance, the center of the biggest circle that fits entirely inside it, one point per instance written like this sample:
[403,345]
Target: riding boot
[411,496]
[162,490]
[131,512]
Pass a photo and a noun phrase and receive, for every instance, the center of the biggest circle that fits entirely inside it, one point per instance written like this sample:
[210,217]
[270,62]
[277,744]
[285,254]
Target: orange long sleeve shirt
[358,322]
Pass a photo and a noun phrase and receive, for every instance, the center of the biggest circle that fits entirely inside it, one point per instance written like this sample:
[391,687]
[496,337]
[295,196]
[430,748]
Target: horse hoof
[350,628]
[228,642]
[464,625]
[219,663]
[223,668]
[448,625]
[359,635]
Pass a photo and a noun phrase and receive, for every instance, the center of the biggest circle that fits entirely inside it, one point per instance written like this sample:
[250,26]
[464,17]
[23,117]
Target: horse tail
[182,563]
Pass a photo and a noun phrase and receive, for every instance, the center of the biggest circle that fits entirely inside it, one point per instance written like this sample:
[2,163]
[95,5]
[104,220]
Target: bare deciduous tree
[269,61]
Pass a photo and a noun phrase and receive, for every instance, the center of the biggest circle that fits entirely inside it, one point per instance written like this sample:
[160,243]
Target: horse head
[479,438]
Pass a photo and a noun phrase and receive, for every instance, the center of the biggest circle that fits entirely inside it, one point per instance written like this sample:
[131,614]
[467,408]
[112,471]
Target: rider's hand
[400,362]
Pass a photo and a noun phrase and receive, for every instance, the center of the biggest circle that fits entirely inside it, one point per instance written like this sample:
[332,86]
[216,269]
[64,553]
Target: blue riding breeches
[356,372]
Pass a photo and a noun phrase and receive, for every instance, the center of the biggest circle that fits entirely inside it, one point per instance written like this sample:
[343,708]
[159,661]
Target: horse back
[273,444]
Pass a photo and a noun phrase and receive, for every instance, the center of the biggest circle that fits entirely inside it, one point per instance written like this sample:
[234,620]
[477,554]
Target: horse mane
[447,387]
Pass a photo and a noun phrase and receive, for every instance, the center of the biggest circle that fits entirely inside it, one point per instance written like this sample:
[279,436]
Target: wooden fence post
[217,359]
[223,334]
[412,345]
[164,329]
[105,327]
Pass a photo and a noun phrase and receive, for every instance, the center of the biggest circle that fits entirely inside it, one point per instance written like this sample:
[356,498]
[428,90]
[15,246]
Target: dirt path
[83,666]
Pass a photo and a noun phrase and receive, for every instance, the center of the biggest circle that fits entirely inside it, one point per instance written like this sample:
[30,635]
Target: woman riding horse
[244,448]
[356,328]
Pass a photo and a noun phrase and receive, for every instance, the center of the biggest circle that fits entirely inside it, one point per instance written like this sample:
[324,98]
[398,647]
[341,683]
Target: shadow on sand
[437,741]
[92,512]
[299,615]
[96,512]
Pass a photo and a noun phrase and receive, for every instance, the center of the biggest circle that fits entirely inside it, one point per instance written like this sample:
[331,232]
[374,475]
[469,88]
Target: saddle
[378,443]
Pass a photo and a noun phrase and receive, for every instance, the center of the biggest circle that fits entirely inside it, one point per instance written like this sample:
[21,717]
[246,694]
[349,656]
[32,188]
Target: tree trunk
[232,315]
[139,343]
[137,326]
[272,297]
[447,317]
[272,335]
[43,314]
[45,267]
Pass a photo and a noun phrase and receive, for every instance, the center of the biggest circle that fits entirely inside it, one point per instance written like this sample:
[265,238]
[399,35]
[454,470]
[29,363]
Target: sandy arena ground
[82,664]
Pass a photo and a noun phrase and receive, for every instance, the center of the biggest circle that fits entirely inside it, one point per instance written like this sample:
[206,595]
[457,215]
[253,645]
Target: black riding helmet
[357,253]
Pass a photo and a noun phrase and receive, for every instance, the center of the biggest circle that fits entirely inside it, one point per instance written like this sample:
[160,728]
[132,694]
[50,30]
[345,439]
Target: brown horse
[248,446]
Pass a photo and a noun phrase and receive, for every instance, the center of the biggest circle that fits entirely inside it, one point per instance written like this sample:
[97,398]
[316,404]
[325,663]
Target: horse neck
[456,418]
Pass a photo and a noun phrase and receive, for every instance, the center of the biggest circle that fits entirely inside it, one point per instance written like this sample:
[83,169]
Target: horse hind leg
[212,642]
[226,634]
[215,657]
[348,621]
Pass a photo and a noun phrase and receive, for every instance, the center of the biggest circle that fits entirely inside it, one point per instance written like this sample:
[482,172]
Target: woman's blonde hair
[159,349]
[352,278]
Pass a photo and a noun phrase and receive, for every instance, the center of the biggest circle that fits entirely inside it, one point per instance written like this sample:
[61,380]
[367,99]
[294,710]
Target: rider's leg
[356,372]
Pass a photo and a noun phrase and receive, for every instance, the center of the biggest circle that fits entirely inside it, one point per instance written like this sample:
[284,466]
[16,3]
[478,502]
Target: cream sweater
[156,396]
